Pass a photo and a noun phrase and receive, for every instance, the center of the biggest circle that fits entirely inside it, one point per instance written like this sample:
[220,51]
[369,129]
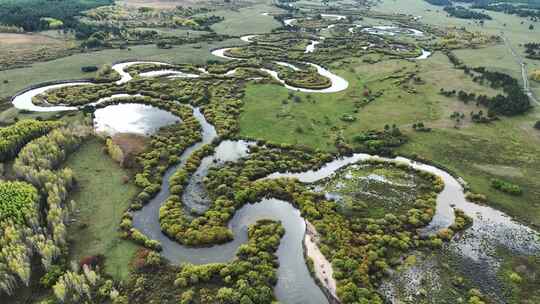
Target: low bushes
[248,279]
[506,187]
[18,201]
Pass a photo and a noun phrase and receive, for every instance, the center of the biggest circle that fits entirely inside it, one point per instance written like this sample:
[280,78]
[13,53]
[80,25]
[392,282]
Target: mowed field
[507,149]
[101,198]
[16,48]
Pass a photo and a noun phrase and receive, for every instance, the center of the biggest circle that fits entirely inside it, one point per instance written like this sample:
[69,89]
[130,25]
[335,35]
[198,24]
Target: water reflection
[132,118]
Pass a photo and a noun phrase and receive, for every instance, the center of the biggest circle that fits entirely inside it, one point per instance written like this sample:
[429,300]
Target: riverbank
[322,268]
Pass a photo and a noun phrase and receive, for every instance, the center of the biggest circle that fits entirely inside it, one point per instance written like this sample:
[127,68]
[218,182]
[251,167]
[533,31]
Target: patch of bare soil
[131,145]
[322,267]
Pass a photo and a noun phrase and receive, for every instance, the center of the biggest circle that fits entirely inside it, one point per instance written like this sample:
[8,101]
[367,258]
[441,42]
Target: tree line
[29,14]
[532,49]
[514,102]
[14,137]
[464,13]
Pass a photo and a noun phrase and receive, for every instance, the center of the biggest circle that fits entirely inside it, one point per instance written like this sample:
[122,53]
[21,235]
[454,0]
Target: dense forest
[30,14]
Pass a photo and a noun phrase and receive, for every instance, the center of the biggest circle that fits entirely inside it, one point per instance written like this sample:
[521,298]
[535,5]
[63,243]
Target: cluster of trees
[85,286]
[18,202]
[42,232]
[106,74]
[420,127]
[15,241]
[526,10]
[532,49]
[18,216]
[14,137]
[29,14]
[147,67]
[480,117]
[181,90]
[380,142]
[37,164]
[506,187]
[248,279]
[515,101]
[77,95]
[118,25]
[465,13]
[223,106]
[307,78]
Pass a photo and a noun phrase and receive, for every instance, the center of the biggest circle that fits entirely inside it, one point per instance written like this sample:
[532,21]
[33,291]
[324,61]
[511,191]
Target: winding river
[338,83]
[295,284]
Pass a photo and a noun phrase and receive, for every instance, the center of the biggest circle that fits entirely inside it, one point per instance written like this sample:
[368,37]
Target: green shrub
[18,201]
[506,187]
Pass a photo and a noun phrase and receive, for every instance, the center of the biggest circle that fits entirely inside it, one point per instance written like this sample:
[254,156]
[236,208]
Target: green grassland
[265,114]
[101,198]
[236,20]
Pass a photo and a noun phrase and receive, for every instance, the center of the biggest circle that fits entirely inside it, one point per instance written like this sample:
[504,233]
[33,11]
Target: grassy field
[18,49]
[235,21]
[102,198]
[507,149]
[70,67]
[267,116]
